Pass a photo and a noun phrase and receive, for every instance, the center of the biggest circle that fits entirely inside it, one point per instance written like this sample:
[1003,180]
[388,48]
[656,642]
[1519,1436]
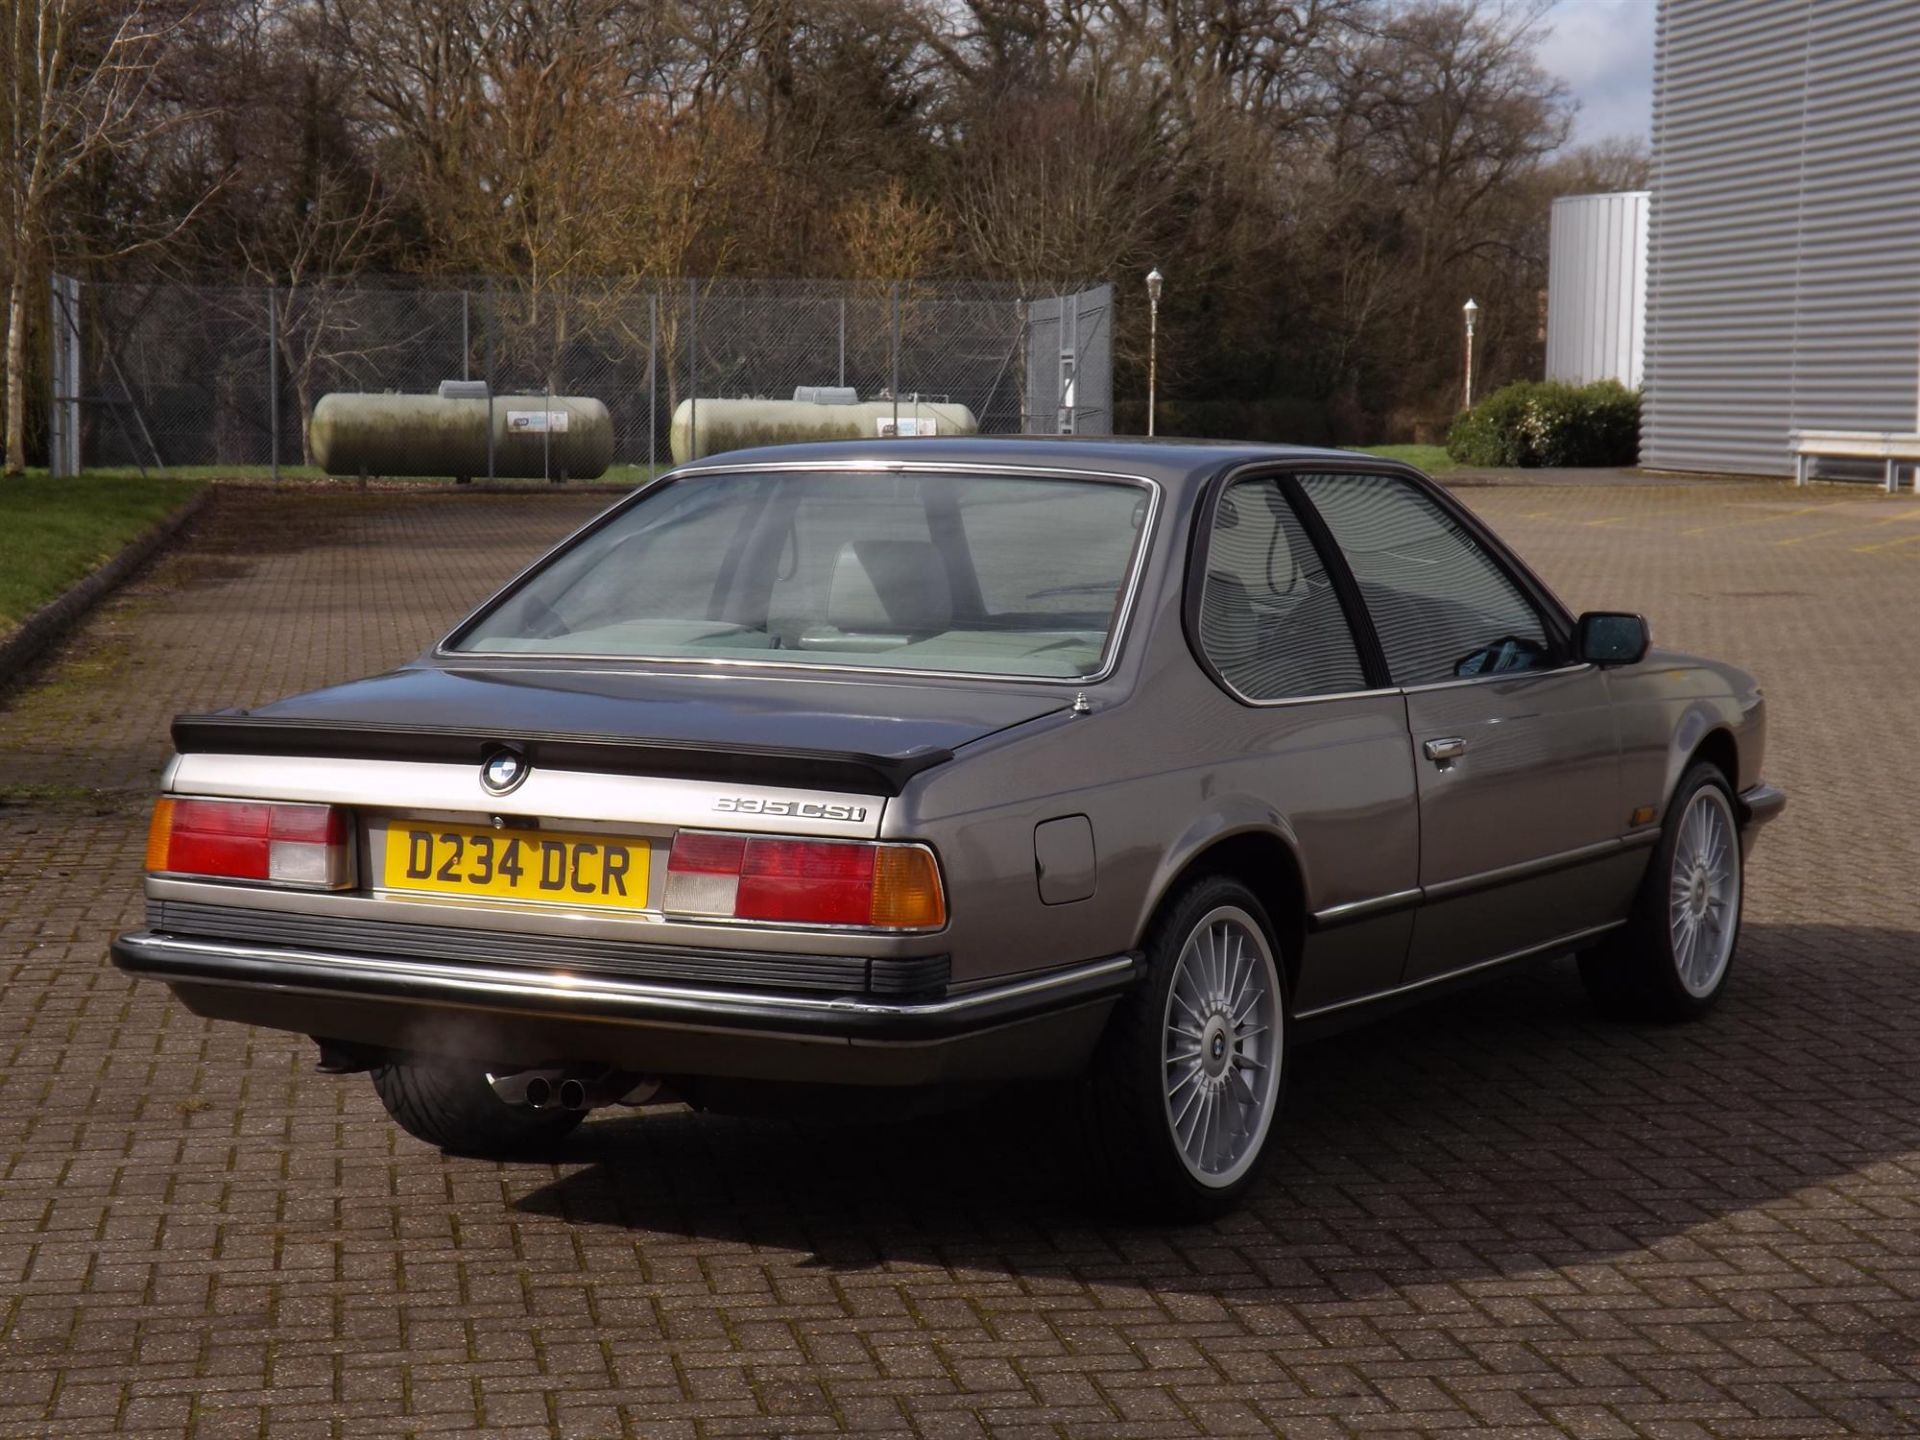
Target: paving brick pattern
[1493,1216]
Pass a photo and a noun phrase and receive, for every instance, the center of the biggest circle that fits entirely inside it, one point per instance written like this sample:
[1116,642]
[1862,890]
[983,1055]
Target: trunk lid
[825,733]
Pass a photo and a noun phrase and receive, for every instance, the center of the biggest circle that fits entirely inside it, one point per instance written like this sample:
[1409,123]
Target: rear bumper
[1759,804]
[1040,1024]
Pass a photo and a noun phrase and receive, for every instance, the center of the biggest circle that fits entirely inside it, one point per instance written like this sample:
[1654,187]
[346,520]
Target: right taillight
[854,883]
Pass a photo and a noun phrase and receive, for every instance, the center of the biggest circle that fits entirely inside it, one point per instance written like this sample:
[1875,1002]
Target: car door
[1513,745]
[1319,735]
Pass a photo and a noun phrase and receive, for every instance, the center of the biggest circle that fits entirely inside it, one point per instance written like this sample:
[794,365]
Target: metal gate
[1070,364]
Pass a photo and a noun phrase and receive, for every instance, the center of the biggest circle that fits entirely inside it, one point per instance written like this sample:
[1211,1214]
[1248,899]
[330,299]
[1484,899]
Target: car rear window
[1023,576]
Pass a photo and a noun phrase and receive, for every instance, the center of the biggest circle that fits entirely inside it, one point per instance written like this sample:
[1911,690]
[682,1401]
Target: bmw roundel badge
[503,771]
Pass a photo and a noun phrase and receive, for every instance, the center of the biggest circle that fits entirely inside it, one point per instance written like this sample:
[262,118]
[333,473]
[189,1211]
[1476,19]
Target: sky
[1603,49]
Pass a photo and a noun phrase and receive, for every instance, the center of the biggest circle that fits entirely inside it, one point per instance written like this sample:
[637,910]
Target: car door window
[1443,607]
[1270,620]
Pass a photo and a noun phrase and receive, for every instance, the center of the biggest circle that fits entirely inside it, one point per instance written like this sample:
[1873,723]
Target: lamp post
[1469,310]
[1154,281]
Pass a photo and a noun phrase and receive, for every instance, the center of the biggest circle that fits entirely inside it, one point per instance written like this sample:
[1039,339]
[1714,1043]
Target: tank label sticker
[535,422]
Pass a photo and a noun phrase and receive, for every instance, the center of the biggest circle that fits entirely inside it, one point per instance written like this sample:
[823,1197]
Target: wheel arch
[1703,734]
[1262,853]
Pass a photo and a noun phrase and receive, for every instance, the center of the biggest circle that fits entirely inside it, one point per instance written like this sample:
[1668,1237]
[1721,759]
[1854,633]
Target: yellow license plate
[516,864]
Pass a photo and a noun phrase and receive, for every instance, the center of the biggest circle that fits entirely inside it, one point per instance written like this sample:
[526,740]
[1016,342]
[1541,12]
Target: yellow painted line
[1885,545]
[1610,520]
[1913,514]
[1760,519]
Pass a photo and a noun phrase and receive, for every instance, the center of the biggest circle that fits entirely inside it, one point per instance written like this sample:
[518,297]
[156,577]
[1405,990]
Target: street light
[1154,281]
[1469,310]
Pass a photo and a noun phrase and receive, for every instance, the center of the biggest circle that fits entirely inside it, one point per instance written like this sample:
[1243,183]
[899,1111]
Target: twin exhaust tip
[560,1090]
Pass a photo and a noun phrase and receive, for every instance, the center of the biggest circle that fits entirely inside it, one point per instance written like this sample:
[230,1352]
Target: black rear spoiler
[237,733]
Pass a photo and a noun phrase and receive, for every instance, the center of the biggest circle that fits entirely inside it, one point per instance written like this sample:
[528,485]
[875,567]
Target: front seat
[884,593]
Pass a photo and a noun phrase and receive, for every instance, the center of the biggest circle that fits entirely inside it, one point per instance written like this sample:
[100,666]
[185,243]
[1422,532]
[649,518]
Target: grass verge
[1431,458]
[52,532]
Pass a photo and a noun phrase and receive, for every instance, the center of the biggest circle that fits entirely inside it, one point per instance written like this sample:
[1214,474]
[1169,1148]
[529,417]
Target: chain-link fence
[173,374]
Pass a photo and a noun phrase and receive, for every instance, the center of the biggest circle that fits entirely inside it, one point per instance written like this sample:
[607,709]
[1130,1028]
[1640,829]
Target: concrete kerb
[45,626]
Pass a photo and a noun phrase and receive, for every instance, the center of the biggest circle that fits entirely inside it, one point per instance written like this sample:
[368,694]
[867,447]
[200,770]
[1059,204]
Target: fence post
[693,369]
[273,377]
[653,360]
[493,316]
[466,333]
[843,342]
[894,386]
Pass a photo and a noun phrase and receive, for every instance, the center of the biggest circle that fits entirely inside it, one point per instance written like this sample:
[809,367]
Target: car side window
[1443,607]
[1270,620]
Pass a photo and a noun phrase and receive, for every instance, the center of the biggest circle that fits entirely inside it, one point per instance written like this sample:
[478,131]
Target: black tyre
[450,1104]
[1672,959]
[1177,1108]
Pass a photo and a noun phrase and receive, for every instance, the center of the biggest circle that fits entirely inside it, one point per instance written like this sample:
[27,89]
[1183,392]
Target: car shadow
[1499,1131]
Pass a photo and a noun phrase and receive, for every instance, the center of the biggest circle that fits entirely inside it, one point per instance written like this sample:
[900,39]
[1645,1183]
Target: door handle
[1447,747]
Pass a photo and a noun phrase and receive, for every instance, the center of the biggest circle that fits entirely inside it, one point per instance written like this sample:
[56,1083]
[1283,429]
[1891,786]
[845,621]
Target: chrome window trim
[1110,654]
[1570,667]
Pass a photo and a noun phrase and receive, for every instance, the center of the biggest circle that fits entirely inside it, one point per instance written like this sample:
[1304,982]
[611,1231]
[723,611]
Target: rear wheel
[1672,959]
[1189,1075]
[449,1103]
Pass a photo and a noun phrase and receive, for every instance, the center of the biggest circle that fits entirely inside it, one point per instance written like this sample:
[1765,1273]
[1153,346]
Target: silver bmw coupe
[908,769]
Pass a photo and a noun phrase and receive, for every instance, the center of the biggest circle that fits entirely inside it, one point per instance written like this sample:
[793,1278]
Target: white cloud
[1603,50]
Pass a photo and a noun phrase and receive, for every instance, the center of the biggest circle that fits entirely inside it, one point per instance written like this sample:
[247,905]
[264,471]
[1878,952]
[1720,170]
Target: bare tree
[77,78]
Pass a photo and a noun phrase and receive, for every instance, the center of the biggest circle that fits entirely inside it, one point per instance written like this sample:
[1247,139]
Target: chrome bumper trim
[509,989]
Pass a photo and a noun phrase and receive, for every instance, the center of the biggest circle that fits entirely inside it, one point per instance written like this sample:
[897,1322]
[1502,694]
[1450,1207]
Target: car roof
[1171,462]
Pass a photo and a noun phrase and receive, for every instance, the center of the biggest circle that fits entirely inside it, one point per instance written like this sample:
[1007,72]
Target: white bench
[1890,447]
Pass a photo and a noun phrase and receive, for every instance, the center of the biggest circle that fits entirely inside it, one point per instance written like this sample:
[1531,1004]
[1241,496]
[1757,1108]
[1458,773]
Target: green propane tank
[708,427]
[558,437]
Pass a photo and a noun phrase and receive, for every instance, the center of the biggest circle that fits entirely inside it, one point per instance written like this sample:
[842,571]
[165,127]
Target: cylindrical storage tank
[1597,288]
[534,436]
[708,427]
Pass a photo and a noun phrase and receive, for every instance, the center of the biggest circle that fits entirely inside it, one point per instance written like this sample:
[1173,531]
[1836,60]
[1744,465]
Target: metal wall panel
[1784,244]
[1597,288]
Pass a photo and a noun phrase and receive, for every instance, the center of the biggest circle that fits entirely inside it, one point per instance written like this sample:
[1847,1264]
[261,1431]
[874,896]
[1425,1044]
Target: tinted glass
[1010,576]
[1444,609]
[1270,620]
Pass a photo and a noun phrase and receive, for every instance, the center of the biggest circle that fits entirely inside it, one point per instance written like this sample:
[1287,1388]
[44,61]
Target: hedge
[1546,422]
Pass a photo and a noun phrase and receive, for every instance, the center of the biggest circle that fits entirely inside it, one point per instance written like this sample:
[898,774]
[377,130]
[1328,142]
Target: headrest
[890,585]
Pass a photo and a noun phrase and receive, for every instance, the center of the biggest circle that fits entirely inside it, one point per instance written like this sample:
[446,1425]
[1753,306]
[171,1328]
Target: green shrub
[1546,422]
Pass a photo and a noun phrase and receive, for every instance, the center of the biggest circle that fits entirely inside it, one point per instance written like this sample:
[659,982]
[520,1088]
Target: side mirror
[1606,637]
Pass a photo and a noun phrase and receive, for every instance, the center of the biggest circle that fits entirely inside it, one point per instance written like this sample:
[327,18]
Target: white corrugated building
[1597,288]
[1784,243]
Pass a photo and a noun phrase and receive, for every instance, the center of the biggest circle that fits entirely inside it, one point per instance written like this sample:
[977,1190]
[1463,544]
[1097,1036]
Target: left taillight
[307,847]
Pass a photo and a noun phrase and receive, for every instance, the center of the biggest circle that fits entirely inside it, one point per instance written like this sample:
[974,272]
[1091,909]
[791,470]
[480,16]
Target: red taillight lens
[805,882]
[303,845]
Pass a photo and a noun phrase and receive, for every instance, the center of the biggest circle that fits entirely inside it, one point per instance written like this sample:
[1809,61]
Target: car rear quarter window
[1443,607]
[1270,619]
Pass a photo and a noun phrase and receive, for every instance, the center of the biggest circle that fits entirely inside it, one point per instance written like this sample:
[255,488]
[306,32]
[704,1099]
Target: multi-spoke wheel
[1221,1045]
[1189,1074]
[1671,960]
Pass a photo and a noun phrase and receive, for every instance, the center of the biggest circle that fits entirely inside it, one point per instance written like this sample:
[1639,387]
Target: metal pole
[546,431]
[273,375]
[653,398]
[894,386]
[843,341]
[1153,359]
[493,319]
[56,449]
[466,334]
[693,369]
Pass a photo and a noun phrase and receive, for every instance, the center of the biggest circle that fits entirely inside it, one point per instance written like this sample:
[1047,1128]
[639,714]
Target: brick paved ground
[1494,1215]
